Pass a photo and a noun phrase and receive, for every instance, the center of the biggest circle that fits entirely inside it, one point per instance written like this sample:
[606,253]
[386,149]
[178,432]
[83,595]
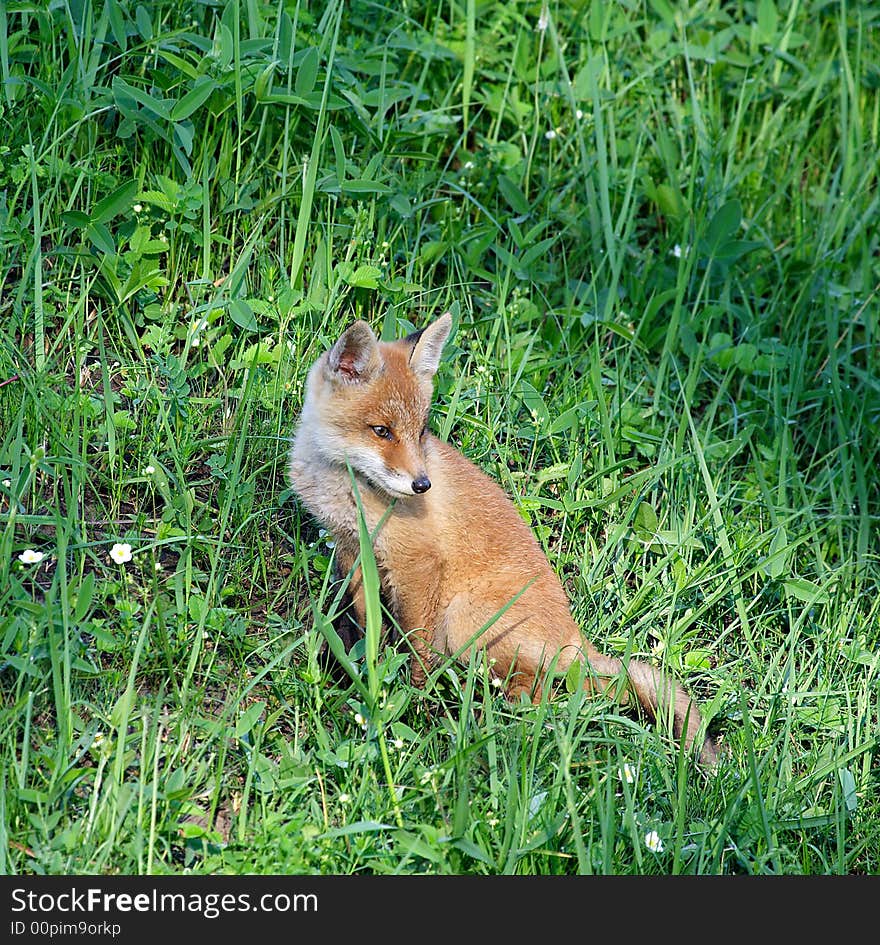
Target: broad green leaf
[151,104]
[339,153]
[848,786]
[120,201]
[307,72]
[242,314]
[249,718]
[101,238]
[144,24]
[471,849]
[75,218]
[723,225]
[513,195]
[361,186]
[565,421]
[121,709]
[193,100]
[664,10]
[82,599]
[646,518]
[806,591]
[117,24]
[767,20]
[777,558]
[364,277]
[574,676]
[533,402]
[359,826]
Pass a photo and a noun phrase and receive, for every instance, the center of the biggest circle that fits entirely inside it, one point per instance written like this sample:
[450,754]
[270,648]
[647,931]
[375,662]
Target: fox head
[367,404]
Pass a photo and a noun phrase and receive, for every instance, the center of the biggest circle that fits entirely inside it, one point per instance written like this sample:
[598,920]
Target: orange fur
[454,551]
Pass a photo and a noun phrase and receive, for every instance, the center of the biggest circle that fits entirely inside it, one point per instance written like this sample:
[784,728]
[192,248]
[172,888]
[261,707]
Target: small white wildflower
[344,798]
[270,298]
[158,566]
[550,135]
[148,470]
[579,114]
[679,251]
[481,369]
[121,552]
[398,743]
[497,682]
[543,19]
[29,556]
[492,822]
[7,483]
[195,342]
[200,324]
[163,238]
[137,208]
[360,720]
[627,773]
[468,165]
[653,841]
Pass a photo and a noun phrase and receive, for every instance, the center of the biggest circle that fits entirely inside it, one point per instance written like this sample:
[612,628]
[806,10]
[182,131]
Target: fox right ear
[355,356]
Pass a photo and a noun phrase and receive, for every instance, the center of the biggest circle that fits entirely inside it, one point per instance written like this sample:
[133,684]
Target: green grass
[660,233]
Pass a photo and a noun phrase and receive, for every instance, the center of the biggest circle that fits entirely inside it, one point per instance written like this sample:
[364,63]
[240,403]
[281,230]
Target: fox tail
[660,696]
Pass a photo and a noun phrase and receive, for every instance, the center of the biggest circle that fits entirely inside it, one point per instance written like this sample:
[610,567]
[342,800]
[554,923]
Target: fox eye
[383,432]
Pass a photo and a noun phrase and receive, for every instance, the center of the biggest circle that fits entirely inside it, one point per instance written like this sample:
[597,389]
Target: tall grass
[657,227]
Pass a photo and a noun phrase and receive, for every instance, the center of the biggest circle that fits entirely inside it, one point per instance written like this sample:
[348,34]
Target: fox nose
[420,485]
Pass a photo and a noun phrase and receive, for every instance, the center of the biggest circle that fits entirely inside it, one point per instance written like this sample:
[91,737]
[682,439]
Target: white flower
[468,165]
[550,135]
[579,114]
[679,251]
[360,720]
[29,556]
[398,743]
[344,798]
[543,19]
[7,483]
[148,470]
[627,773]
[497,682]
[121,552]
[653,841]
[137,208]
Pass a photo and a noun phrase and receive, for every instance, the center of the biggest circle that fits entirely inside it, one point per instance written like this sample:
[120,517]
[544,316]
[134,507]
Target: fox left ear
[355,356]
[426,352]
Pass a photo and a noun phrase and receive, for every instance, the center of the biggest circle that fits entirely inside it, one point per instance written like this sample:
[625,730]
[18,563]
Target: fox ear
[355,356]
[428,345]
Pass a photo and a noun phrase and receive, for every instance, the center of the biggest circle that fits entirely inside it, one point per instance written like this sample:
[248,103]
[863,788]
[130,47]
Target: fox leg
[353,622]
[523,684]
[417,613]
[423,657]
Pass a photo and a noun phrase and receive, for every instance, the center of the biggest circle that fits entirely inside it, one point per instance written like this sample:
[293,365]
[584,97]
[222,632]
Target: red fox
[454,551]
